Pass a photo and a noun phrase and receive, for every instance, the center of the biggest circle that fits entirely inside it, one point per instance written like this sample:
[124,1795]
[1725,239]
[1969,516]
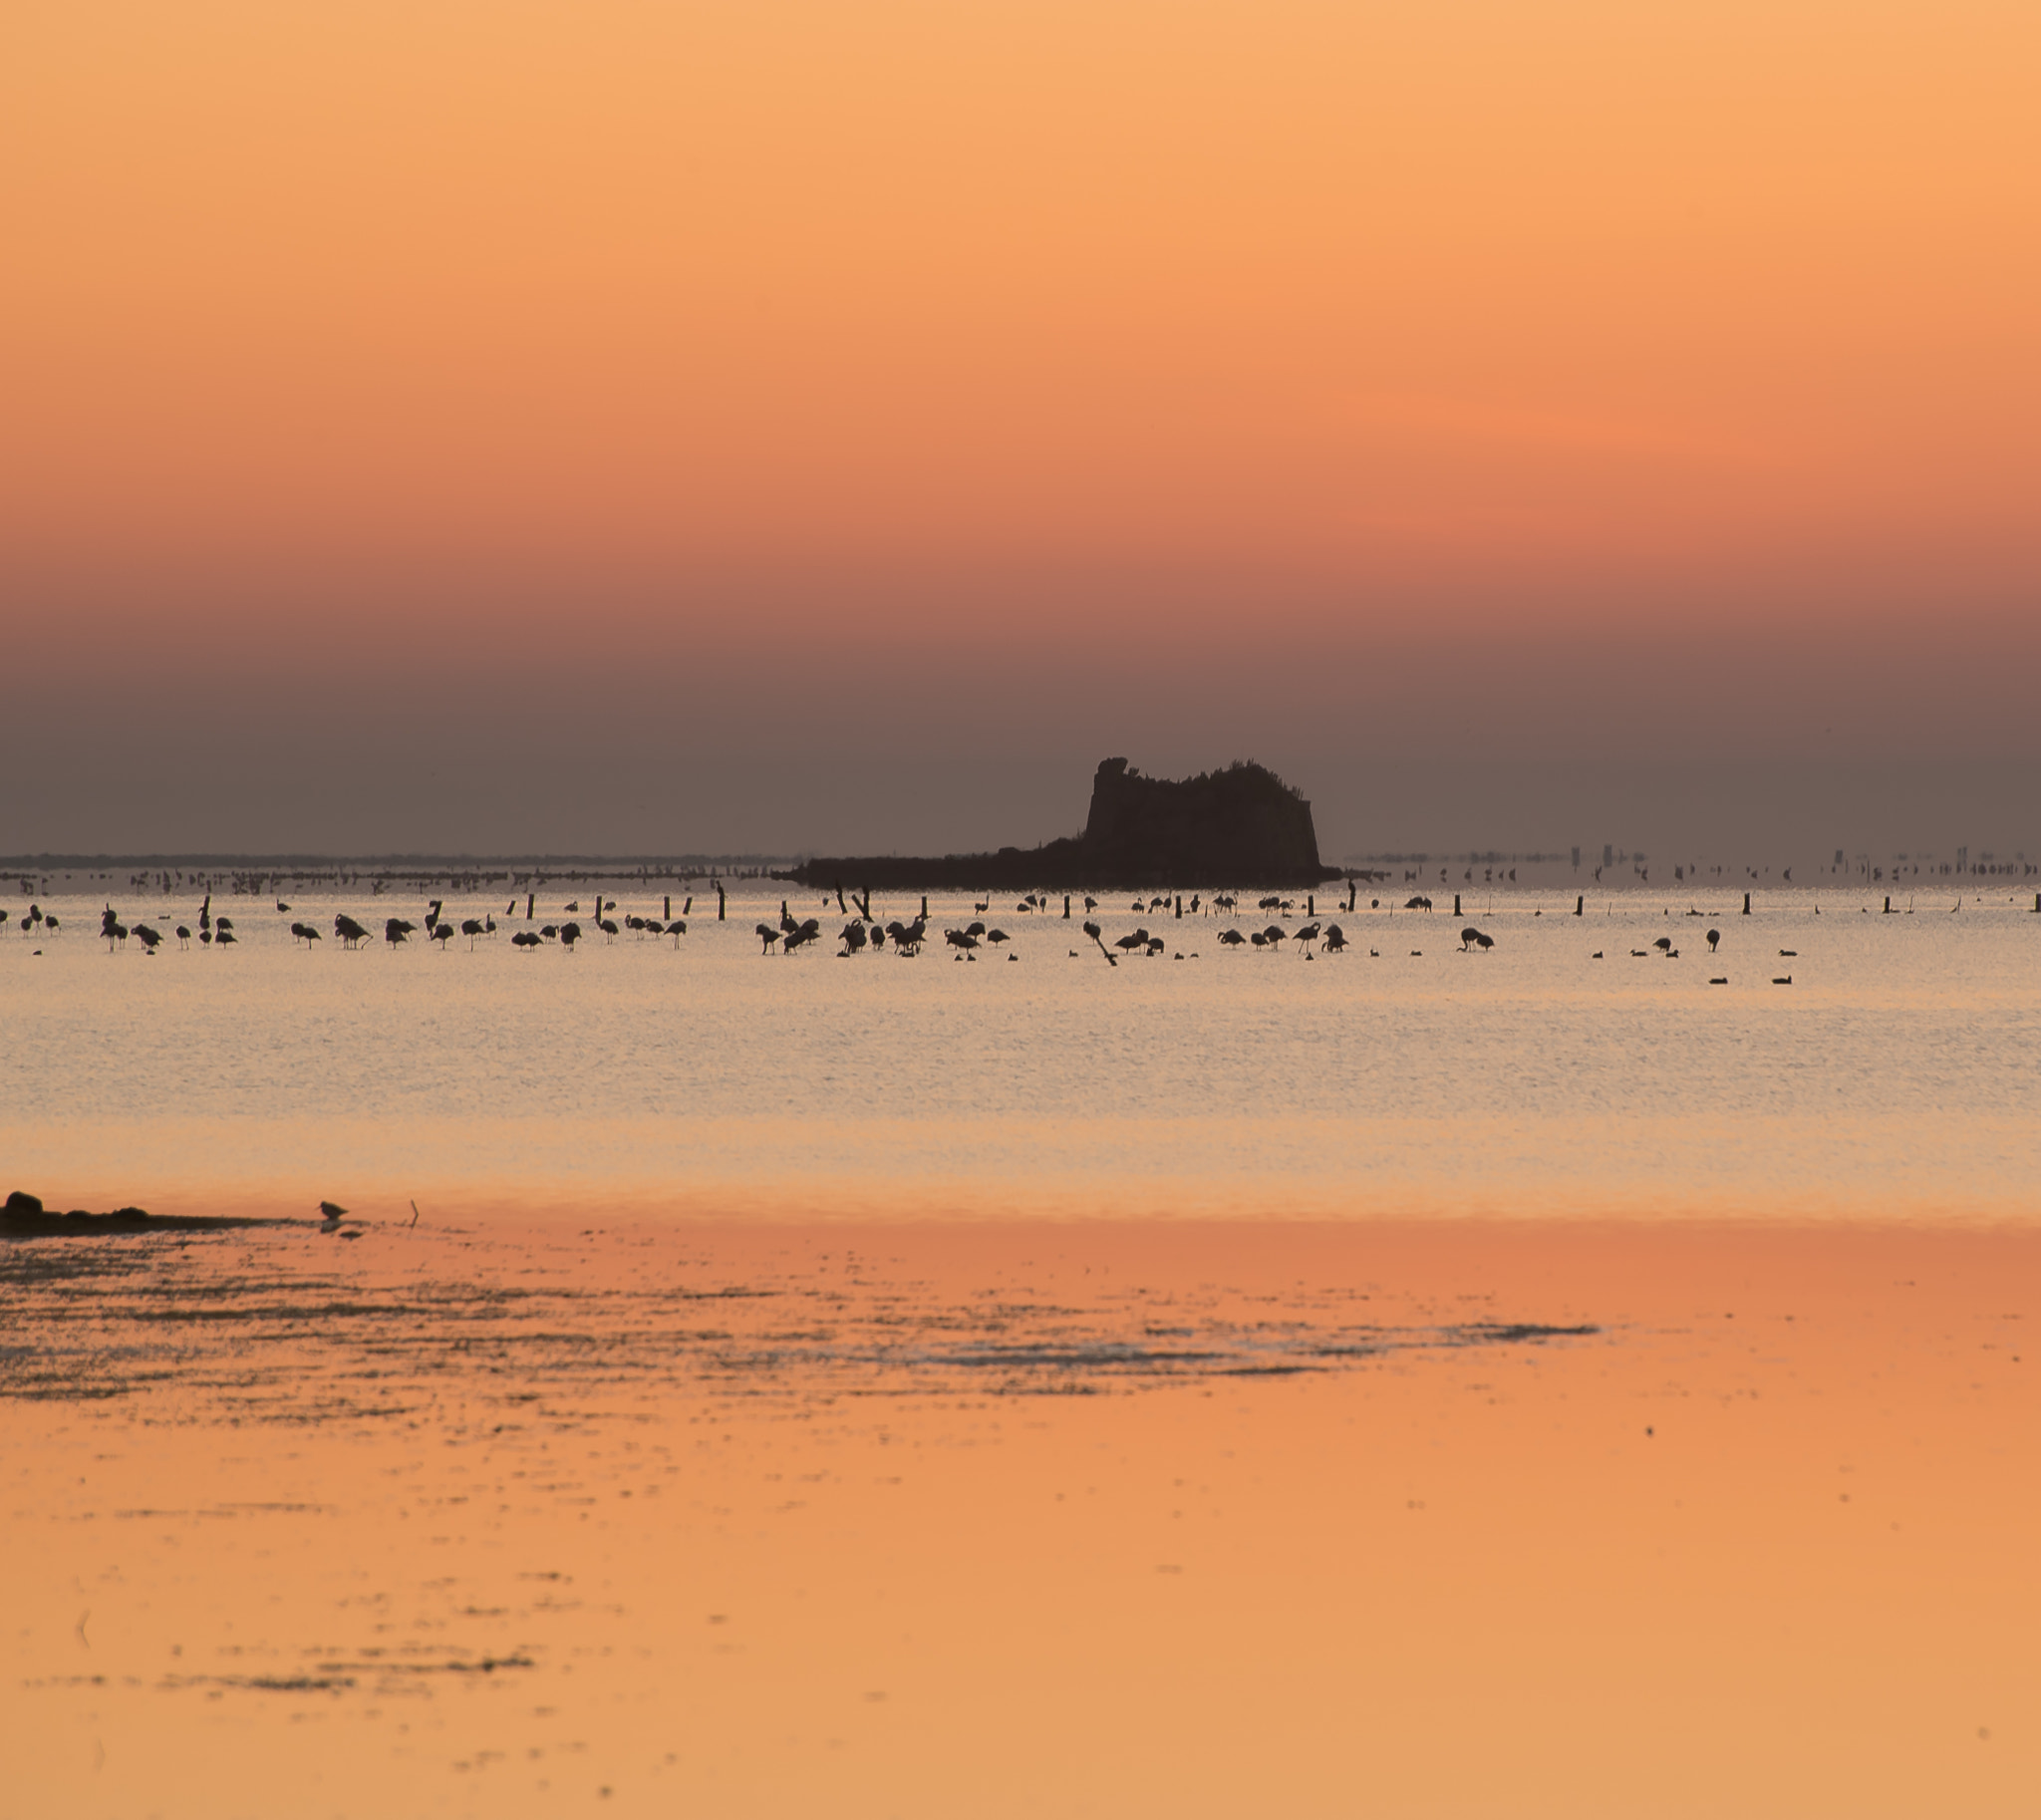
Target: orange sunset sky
[659,427]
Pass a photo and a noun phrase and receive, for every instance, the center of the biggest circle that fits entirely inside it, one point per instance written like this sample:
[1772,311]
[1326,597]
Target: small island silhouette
[1239,827]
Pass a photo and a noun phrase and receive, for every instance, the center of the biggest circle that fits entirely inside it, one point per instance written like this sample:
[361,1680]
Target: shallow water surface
[1898,1074]
[1076,1518]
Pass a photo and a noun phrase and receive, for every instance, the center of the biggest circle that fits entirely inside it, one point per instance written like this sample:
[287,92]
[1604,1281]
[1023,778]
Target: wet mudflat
[1062,1518]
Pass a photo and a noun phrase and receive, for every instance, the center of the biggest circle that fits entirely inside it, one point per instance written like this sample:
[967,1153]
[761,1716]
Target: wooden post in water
[530,898]
[1067,904]
[1311,904]
[1456,903]
[1746,903]
[718,900]
[669,906]
[924,906]
[1179,906]
[1581,904]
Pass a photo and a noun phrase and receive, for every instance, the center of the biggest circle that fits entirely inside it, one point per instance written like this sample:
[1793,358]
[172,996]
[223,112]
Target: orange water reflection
[1084,1518]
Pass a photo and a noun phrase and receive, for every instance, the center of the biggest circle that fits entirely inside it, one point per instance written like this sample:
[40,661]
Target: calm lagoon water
[1898,1076]
[596,1491]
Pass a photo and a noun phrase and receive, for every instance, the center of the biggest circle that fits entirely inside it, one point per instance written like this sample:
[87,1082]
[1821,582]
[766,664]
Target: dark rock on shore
[1241,826]
[23,1217]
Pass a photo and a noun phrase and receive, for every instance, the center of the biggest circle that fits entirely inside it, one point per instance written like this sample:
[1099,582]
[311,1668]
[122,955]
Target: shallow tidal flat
[1071,1518]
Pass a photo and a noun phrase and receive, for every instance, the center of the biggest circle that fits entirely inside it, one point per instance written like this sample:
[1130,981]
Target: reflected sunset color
[1505,1289]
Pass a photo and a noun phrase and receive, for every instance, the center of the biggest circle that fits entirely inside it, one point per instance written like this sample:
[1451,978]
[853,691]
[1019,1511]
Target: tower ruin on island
[1242,826]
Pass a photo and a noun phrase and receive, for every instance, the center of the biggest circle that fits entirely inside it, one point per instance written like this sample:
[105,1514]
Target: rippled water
[1899,1073]
[540,1498]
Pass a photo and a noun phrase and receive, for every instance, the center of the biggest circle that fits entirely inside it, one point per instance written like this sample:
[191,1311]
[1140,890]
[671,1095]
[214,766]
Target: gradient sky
[660,428]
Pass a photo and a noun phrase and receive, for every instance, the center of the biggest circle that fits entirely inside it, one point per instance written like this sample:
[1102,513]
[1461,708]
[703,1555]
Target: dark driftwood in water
[1239,827]
[24,1218]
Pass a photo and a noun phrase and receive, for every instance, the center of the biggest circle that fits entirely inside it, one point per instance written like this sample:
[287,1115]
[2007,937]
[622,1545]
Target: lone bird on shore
[332,1212]
[1098,936]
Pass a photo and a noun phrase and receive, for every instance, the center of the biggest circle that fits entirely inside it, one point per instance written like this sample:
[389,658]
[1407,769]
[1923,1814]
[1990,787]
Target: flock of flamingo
[861,932]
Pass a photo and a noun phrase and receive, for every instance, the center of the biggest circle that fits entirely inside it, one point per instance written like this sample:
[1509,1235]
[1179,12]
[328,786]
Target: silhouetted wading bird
[1335,940]
[1097,936]
[351,932]
[147,937]
[770,936]
[397,930]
